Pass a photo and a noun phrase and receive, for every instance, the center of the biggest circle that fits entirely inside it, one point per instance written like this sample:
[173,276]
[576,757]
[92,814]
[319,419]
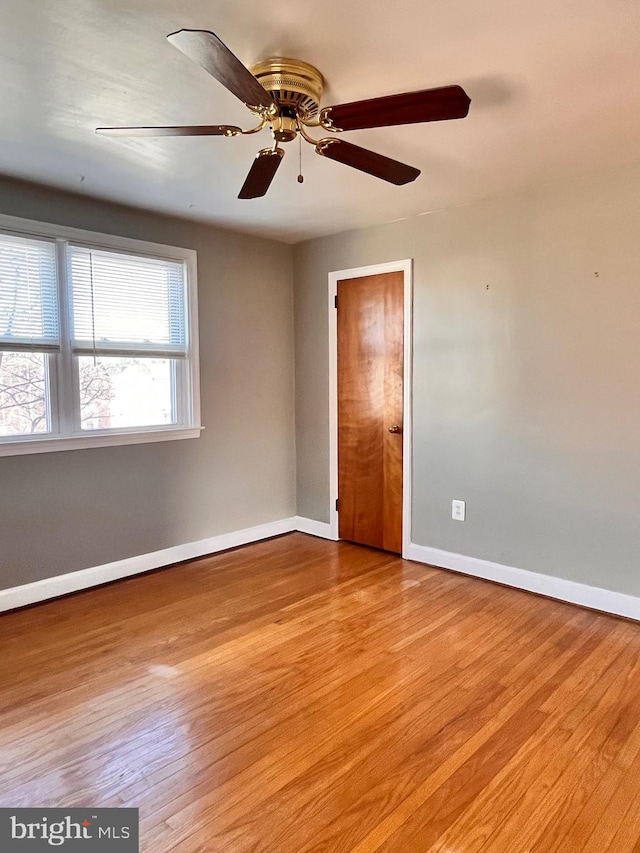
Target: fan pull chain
[300,176]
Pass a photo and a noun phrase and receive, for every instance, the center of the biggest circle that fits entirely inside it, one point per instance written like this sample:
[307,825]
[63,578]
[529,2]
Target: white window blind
[127,305]
[28,294]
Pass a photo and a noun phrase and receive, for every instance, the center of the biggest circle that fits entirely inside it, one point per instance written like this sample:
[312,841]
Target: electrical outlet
[458,510]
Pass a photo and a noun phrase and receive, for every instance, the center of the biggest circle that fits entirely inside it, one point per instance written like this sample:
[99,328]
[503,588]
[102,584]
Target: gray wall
[64,511]
[527,375]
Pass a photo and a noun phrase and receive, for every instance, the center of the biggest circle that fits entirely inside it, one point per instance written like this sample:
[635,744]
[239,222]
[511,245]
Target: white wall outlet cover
[458,510]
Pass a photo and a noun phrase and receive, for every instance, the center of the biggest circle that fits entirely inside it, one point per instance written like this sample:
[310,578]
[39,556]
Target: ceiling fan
[285,94]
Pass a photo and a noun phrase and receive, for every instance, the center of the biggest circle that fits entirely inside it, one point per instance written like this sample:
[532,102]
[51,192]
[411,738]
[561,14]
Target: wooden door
[370,406]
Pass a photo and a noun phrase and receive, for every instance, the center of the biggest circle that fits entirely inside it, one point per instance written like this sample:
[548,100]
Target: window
[98,340]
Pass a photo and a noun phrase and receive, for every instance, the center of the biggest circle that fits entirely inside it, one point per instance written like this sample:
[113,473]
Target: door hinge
[336,504]
[335,300]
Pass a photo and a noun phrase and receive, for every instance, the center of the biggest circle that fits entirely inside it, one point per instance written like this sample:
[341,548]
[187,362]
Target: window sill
[20,447]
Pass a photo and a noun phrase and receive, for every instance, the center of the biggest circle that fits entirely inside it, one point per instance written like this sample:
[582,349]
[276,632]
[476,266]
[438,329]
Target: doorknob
[395,428]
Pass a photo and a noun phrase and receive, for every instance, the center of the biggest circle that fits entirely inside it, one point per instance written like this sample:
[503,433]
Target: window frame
[62,370]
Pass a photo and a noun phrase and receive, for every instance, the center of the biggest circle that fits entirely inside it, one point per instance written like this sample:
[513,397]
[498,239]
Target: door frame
[406,267]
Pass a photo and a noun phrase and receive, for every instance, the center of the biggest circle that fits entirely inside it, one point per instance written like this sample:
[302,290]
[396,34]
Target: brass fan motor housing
[294,84]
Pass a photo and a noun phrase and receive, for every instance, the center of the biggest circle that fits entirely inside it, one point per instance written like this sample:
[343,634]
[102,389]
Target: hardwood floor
[302,695]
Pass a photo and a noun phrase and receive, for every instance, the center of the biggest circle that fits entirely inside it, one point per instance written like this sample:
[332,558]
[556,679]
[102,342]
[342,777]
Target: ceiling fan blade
[367,161]
[409,108]
[214,56]
[261,173]
[188,130]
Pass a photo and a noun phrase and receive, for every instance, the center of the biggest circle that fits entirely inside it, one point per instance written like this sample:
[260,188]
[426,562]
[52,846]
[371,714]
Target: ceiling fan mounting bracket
[325,120]
[323,144]
[293,83]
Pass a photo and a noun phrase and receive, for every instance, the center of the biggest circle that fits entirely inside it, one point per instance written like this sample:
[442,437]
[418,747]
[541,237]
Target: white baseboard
[30,593]
[315,528]
[593,597]
[587,596]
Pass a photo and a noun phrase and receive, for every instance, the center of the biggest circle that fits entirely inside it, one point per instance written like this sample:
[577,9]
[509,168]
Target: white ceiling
[555,89]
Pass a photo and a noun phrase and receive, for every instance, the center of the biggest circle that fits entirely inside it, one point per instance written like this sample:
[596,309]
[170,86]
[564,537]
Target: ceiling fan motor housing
[296,86]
